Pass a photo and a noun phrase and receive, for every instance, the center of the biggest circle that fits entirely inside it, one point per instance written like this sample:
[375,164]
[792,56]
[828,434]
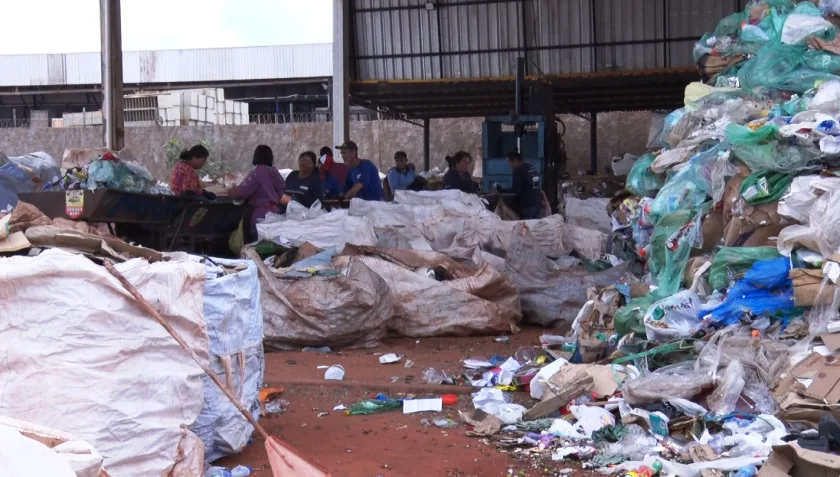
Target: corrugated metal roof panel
[478,39]
[24,70]
[172,66]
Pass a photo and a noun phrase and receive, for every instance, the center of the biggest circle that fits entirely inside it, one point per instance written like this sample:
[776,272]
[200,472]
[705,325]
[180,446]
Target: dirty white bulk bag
[551,295]
[588,213]
[453,202]
[350,310]
[23,457]
[80,355]
[332,230]
[234,319]
[475,300]
[45,452]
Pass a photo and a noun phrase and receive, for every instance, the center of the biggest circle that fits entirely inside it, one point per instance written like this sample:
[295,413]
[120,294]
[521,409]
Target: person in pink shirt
[261,190]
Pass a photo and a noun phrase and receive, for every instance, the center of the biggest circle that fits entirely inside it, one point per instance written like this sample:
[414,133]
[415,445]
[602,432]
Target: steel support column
[426,140]
[593,142]
[112,75]
[341,71]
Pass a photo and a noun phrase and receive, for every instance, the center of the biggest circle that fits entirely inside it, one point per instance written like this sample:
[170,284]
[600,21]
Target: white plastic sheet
[80,355]
[234,319]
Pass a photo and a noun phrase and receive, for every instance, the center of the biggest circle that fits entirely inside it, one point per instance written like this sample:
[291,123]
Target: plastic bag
[804,22]
[678,381]
[629,318]
[674,236]
[590,418]
[635,444]
[42,165]
[119,175]
[682,191]
[673,317]
[689,408]
[730,264]
[766,288]
[565,429]
[641,180]
[763,150]
[830,6]
[723,399]
[782,67]
[765,187]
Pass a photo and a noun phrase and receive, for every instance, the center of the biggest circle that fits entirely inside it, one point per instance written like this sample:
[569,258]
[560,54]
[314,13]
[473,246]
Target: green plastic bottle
[373,406]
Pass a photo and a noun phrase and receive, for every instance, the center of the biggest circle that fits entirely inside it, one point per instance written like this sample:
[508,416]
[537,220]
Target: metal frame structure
[452,58]
[425,59]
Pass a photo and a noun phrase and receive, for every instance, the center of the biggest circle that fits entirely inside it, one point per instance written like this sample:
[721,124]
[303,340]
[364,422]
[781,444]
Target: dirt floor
[388,444]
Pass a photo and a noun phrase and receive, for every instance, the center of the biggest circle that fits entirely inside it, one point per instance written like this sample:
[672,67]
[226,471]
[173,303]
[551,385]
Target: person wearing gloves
[363,177]
[527,197]
[261,190]
[458,177]
[303,185]
[183,180]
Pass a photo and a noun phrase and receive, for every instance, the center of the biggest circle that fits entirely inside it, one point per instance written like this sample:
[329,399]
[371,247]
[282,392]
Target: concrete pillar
[426,140]
[341,71]
[112,75]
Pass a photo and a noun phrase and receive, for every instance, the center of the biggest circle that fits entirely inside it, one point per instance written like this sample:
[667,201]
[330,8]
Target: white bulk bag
[81,355]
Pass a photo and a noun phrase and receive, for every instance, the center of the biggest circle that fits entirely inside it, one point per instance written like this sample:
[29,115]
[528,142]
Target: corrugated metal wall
[172,66]
[423,39]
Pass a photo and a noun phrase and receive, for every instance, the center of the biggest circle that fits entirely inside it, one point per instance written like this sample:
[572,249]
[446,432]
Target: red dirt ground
[390,444]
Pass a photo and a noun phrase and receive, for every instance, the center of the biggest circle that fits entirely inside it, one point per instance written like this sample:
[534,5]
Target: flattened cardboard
[803,463]
[14,242]
[603,379]
[825,371]
[832,341]
[806,288]
[777,465]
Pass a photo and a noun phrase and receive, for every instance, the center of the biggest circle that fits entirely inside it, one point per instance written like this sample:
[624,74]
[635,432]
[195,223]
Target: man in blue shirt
[401,176]
[363,177]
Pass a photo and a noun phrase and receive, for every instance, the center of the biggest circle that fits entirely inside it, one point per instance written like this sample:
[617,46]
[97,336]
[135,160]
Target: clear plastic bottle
[746,471]
[433,376]
[240,471]
[373,406]
[217,472]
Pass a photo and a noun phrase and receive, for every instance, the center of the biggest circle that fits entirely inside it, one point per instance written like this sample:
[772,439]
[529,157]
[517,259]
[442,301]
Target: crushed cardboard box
[807,285]
[793,461]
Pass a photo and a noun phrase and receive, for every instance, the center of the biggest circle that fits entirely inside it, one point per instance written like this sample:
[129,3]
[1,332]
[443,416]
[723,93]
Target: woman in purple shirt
[261,191]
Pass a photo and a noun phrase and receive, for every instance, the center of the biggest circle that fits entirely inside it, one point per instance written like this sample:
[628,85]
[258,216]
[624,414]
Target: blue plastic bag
[765,289]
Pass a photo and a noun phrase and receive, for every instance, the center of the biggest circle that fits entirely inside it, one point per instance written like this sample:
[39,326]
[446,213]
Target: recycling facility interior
[686,325]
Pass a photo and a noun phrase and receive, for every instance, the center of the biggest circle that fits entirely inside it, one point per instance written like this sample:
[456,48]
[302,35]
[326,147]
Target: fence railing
[6,123]
[145,119]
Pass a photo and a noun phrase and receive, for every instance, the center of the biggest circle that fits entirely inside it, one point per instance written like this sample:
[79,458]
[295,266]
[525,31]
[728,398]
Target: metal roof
[661,89]
[172,66]
[451,58]
[450,39]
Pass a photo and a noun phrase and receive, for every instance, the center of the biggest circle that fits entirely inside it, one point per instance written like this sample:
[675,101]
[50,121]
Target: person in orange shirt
[184,179]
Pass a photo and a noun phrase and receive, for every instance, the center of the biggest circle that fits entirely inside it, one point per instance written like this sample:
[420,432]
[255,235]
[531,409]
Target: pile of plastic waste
[716,353]
[708,345]
[111,171]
